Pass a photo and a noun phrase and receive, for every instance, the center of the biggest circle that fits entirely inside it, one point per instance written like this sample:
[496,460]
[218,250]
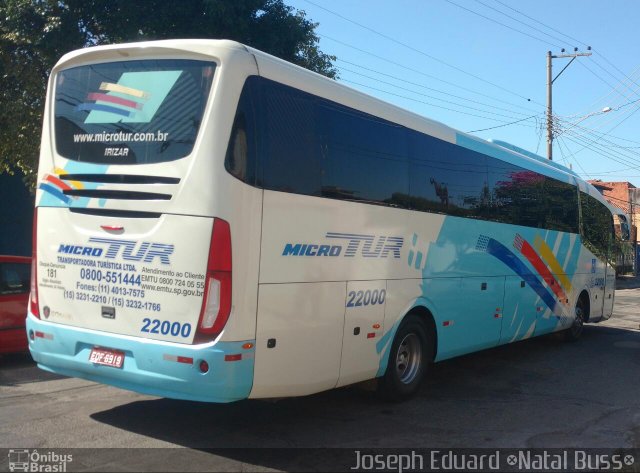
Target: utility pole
[632,210]
[550,81]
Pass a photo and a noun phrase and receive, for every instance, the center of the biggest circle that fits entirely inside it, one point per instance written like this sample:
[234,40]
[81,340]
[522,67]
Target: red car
[15,274]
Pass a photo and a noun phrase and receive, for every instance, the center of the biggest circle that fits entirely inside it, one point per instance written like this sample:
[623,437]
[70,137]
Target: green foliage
[35,33]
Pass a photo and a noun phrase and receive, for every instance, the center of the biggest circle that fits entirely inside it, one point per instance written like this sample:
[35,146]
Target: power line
[376,71]
[594,140]
[575,125]
[531,36]
[564,158]
[501,24]
[601,151]
[625,152]
[625,176]
[416,50]
[566,36]
[425,95]
[500,126]
[602,99]
[615,67]
[423,102]
[519,21]
[556,38]
[612,128]
[607,83]
[539,22]
[416,71]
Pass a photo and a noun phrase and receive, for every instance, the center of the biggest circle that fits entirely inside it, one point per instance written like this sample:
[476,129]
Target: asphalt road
[539,393]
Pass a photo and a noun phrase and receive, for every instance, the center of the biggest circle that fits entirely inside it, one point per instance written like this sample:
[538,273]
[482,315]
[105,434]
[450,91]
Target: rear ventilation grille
[120,179]
[116,213]
[118,195]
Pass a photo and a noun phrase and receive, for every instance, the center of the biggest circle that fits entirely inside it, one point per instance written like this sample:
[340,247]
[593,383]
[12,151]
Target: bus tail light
[33,298]
[216,301]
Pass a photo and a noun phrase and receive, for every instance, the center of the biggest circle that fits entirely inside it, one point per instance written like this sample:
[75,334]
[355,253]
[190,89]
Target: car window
[14,278]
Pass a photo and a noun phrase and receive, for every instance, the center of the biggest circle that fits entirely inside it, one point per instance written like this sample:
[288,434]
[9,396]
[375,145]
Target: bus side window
[597,225]
[241,151]
[238,148]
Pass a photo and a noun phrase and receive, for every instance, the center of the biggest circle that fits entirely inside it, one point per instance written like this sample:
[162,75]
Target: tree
[35,33]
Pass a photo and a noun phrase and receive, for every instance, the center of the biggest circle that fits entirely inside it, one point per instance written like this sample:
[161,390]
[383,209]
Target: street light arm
[604,110]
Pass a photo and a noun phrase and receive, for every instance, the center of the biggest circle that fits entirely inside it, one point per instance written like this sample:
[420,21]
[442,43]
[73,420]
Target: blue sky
[474,71]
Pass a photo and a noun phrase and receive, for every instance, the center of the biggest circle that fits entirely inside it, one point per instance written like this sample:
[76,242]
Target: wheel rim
[578,322]
[409,358]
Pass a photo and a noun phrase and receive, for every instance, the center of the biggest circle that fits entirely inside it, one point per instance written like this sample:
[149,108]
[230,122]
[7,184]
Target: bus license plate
[102,356]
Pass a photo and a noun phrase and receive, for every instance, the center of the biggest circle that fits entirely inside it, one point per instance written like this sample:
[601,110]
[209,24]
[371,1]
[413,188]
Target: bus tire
[574,332]
[408,361]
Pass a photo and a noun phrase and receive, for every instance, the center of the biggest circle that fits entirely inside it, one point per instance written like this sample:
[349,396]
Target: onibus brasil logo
[23,459]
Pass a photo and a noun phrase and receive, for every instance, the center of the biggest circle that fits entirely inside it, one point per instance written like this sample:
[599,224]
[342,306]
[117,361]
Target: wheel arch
[586,300]
[421,309]
[425,315]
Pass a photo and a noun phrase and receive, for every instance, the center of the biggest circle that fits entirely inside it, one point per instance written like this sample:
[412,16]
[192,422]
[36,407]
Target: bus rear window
[131,112]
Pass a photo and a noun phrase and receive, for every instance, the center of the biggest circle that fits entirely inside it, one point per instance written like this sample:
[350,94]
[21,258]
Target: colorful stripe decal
[62,172]
[102,108]
[55,186]
[504,254]
[571,263]
[528,252]
[54,180]
[123,90]
[114,99]
[54,191]
[547,254]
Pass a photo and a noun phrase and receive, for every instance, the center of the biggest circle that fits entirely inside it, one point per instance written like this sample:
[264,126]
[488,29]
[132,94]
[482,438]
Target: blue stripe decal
[563,250]
[54,191]
[504,254]
[572,264]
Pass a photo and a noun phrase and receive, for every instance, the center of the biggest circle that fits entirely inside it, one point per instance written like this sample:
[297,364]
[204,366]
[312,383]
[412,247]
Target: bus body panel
[298,338]
[363,329]
[123,275]
[325,239]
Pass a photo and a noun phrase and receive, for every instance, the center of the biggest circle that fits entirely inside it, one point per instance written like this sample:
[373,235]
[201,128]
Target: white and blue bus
[215,224]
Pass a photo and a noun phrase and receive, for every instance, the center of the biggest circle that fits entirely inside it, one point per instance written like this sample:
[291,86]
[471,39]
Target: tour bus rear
[137,245]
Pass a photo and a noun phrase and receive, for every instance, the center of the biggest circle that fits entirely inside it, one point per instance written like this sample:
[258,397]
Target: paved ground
[538,393]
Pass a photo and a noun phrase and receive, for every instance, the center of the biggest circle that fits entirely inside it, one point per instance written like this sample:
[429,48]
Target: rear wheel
[408,361]
[574,332]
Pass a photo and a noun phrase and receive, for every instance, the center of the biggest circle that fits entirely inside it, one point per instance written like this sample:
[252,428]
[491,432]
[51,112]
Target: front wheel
[408,361]
[574,332]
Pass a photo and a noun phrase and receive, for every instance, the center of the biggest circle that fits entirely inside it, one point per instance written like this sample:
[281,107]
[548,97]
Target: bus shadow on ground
[468,401]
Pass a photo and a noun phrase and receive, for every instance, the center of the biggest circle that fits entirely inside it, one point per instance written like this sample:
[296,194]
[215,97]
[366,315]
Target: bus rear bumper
[156,368]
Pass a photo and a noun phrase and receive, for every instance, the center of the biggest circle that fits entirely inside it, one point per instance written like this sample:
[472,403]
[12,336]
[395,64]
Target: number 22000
[165,327]
[368,297]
